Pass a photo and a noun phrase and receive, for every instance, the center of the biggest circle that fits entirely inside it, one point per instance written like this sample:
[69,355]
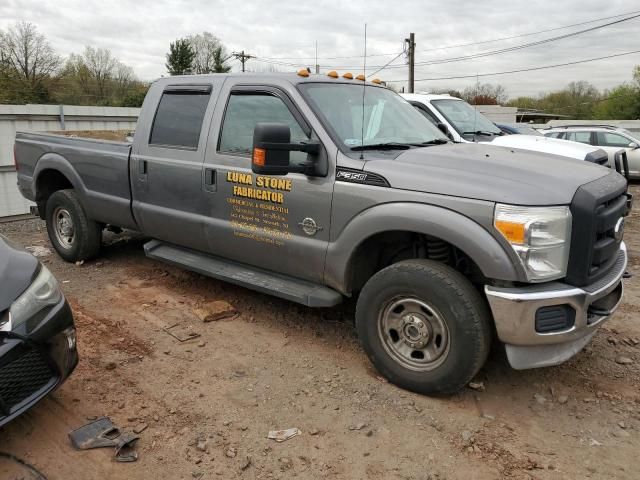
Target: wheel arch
[410,220]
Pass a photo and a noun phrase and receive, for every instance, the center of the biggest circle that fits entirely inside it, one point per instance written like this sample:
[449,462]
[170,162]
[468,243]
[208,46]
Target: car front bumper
[515,309]
[33,365]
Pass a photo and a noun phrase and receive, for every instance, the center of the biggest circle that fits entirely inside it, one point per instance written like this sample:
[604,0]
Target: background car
[37,333]
[609,138]
[518,129]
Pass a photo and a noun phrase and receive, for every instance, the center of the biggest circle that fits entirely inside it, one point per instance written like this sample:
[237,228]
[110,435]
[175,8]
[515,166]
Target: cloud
[139,34]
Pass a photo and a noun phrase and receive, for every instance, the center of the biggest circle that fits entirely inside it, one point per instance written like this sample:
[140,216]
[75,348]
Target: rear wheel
[74,236]
[424,326]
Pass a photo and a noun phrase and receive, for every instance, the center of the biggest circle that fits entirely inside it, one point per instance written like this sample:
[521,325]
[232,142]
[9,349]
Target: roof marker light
[332,74]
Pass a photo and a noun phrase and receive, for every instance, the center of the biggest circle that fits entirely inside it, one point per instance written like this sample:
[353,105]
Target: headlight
[43,292]
[539,235]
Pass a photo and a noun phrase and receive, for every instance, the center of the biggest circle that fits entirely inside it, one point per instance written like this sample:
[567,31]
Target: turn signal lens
[514,232]
[258,156]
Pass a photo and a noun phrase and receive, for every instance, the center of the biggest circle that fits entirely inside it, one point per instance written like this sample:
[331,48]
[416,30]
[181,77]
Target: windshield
[388,118]
[464,118]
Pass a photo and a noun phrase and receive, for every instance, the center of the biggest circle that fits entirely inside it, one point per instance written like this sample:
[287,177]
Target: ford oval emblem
[618,230]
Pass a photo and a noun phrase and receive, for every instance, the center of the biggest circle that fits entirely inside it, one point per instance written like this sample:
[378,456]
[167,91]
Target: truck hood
[486,172]
[555,146]
[17,268]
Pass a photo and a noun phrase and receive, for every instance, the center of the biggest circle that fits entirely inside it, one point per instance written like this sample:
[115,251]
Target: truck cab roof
[293,78]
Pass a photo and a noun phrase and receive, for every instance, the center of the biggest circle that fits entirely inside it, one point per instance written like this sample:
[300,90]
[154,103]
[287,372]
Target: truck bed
[97,169]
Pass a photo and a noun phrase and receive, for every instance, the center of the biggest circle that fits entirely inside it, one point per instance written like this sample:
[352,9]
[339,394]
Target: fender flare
[54,161]
[461,231]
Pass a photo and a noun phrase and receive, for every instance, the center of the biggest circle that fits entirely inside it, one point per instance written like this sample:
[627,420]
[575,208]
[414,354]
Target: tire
[73,235]
[424,326]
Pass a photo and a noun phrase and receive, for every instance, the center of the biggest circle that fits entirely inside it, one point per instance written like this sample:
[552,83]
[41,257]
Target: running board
[300,291]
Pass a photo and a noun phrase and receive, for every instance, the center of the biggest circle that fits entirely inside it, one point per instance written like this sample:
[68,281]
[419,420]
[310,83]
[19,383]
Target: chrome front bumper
[514,312]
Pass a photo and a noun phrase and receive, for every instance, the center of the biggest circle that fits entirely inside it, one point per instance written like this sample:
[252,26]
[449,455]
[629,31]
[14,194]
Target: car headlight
[43,292]
[539,235]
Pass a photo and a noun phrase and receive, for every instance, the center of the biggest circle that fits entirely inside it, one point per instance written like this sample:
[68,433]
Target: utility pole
[317,66]
[412,60]
[242,57]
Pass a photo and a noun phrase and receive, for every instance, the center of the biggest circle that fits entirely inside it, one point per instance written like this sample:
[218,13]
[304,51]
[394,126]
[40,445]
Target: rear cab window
[179,116]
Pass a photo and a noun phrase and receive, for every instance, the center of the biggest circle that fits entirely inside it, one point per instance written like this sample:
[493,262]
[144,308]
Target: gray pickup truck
[315,188]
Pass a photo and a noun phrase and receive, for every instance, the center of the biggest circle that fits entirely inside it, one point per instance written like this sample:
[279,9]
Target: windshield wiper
[435,141]
[481,132]
[383,146]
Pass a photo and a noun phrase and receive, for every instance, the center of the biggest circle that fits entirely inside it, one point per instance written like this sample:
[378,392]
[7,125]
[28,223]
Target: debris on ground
[479,386]
[246,463]
[216,310]
[622,360]
[358,426]
[283,435]
[102,433]
[38,251]
[181,332]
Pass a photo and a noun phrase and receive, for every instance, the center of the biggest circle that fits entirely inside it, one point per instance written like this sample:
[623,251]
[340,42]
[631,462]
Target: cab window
[179,118]
[244,111]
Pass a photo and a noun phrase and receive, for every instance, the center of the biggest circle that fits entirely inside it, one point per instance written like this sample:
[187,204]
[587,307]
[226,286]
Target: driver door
[258,219]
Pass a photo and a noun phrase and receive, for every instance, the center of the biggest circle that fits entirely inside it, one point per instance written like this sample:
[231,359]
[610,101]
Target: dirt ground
[208,403]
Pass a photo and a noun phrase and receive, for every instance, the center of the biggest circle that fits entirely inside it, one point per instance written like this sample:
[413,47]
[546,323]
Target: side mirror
[271,147]
[633,145]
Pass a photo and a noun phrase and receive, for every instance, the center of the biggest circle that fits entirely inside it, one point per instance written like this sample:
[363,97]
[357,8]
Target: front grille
[596,209]
[21,379]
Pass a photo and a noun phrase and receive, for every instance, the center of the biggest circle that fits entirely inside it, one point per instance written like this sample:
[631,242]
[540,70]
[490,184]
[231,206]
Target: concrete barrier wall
[46,118]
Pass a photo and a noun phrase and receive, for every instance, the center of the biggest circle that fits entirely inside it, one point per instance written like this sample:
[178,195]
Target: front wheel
[424,326]
[74,236]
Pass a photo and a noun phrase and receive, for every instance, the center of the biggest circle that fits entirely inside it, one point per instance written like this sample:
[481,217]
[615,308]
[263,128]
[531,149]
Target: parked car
[273,182]
[609,138]
[518,129]
[37,333]
[463,123]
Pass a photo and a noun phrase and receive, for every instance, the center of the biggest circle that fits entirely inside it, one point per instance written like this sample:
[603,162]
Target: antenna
[364,89]
[475,108]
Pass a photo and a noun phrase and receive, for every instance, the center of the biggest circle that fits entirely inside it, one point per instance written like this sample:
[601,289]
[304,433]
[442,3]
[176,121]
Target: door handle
[142,167]
[209,177]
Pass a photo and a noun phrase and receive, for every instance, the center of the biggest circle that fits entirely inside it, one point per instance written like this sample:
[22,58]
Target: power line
[469,57]
[446,47]
[522,46]
[519,70]
[482,42]
[386,64]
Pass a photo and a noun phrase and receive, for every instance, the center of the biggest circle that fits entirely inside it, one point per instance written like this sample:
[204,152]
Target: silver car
[609,138]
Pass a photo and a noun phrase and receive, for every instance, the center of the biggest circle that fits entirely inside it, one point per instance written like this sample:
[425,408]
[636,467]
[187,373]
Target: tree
[620,103]
[210,54]
[180,57]
[29,62]
[485,94]
[447,91]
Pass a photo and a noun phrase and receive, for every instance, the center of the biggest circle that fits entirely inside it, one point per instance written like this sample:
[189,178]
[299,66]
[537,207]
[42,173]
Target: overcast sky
[139,32]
